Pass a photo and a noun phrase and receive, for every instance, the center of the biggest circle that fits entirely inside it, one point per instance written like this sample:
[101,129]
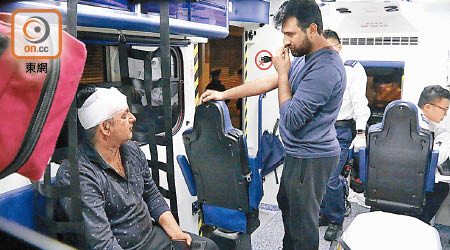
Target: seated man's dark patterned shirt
[117,211]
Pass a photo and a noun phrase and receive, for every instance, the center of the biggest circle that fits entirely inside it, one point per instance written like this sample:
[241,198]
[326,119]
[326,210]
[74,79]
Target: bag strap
[275,127]
[125,80]
[38,119]
[4,43]
[151,131]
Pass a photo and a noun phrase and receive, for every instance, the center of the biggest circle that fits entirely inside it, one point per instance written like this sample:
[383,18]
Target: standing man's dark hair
[432,93]
[307,12]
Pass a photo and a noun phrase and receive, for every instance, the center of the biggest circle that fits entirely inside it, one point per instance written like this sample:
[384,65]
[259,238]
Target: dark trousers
[301,190]
[333,203]
[159,240]
[434,201]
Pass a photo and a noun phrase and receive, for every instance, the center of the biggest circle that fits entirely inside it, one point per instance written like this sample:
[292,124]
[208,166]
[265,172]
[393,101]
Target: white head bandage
[102,105]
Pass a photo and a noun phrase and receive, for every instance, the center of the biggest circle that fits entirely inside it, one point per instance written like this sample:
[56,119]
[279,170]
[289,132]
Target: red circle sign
[260,62]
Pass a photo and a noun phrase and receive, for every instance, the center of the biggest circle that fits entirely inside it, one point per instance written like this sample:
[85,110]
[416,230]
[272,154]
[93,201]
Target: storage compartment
[202,11]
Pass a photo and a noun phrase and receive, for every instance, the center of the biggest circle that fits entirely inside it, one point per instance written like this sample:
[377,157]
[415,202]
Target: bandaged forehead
[102,105]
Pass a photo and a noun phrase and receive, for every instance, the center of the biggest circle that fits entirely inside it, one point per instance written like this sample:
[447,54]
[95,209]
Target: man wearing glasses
[434,103]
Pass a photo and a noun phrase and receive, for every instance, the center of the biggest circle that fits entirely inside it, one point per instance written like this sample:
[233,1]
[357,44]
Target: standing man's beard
[303,49]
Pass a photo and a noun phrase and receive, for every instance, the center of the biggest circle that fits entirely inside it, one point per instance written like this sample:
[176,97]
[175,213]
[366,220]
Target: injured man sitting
[122,207]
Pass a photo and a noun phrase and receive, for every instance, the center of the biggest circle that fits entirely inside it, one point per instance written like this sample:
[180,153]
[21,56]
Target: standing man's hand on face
[209,95]
[282,61]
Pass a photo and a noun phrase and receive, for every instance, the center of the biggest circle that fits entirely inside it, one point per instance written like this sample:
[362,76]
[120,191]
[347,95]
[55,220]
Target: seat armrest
[187,174]
[432,165]
[362,164]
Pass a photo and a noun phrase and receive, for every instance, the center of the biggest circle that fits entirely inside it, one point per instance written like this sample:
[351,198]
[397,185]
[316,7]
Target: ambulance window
[95,66]
[153,114]
[384,85]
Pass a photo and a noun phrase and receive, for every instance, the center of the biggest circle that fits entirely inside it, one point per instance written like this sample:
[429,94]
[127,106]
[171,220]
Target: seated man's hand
[182,236]
[358,142]
[209,95]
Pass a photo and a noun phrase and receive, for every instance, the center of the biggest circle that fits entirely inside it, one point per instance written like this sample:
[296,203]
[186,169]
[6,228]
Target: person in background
[310,91]
[434,103]
[119,198]
[215,83]
[354,109]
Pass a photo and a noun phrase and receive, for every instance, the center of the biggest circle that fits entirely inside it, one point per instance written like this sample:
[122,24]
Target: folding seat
[227,183]
[399,164]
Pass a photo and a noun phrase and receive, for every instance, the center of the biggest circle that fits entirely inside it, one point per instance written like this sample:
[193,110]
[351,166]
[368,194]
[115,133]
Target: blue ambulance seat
[18,227]
[18,205]
[398,157]
[227,183]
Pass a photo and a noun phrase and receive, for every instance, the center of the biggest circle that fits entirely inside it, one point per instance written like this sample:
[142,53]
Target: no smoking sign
[263,60]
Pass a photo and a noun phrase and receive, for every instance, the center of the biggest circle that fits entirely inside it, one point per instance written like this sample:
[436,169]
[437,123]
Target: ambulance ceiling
[367,17]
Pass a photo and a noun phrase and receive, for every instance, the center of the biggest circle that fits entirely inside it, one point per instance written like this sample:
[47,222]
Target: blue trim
[259,11]
[255,189]
[429,181]
[350,153]
[188,130]
[351,63]
[187,174]
[225,218]
[214,12]
[116,4]
[99,42]
[383,64]
[226,116]
[97,17]
[362,164]
[398,102]
[128,43]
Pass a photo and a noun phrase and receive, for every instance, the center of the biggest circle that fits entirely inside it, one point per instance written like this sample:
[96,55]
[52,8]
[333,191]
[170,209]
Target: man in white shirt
[434,103]
[354,108]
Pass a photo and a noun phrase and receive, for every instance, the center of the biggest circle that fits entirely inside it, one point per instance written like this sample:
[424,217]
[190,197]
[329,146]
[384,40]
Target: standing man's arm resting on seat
[170,225]
[256,87]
